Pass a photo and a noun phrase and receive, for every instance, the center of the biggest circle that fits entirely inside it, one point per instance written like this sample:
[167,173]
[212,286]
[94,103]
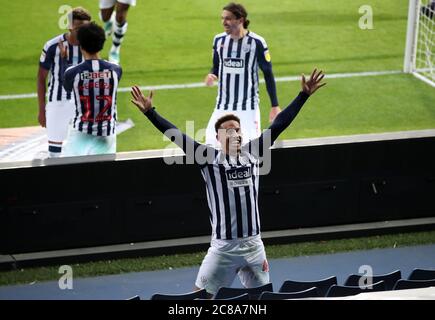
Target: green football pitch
[169,42]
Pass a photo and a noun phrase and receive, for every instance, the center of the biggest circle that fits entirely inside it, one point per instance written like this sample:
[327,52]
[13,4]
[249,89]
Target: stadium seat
[390,279]
[297,286]
[201,294]
[244,296]
[136,297]
[413,284]
[343,291]
[309,293]
[254,293]
[422,274]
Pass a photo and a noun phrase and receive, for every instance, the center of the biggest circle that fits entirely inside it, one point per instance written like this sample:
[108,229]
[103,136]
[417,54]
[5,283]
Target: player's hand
[313,84]
[142,102]
[63,50]
[42,119]
[210,79]
[273,113]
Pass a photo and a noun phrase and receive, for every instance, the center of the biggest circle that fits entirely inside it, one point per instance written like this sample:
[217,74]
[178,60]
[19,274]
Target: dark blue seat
[254,293]
[413,284]
[200,294]
[296,286]
[390,279]
[309,293]
[422,274]
[343,291]
[244,296]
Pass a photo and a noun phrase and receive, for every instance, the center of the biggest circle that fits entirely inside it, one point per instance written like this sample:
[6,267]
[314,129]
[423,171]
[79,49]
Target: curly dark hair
[91,37]
[225,118]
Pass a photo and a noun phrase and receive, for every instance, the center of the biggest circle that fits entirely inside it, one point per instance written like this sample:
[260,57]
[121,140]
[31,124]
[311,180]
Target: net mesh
[425,49]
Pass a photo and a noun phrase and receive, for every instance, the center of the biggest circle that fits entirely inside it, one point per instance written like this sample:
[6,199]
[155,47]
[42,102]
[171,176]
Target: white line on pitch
[201,84]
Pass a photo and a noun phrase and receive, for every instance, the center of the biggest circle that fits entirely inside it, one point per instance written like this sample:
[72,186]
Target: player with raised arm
[231,175]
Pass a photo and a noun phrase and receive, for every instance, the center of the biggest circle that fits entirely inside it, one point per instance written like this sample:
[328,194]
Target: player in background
[94,84]
[56,113]
[115,24]
[237,55]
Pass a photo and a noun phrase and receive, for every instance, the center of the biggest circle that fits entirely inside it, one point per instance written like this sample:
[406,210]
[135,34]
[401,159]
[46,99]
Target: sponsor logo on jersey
[239,173]
[267,56]
[95,75]
[233,63]
[239,177]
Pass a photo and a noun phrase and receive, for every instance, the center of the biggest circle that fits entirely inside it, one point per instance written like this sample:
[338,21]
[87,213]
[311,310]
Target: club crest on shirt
[246,48]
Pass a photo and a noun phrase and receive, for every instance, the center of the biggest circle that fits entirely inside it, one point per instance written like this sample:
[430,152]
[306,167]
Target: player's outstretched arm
[313,83]
[145,105]
[285,118]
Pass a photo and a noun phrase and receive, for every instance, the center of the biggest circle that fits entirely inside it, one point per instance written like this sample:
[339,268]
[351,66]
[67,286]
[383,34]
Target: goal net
[420,41]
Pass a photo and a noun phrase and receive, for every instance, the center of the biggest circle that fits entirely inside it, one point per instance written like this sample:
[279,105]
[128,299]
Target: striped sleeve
[118,70]
[265,64]
[215,67]
[68,78]
[46,59]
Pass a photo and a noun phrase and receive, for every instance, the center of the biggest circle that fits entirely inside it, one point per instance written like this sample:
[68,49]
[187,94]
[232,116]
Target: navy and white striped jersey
[51,60]
[232,193]
[95,84]
[231,183]
[236,63]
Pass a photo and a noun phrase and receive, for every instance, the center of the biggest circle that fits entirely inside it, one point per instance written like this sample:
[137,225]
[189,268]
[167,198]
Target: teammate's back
[94,83]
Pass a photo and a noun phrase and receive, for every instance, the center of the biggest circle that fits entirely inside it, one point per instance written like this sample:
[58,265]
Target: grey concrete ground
[305,268]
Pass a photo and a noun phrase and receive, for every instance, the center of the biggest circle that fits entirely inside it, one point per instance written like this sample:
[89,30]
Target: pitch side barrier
[316,188]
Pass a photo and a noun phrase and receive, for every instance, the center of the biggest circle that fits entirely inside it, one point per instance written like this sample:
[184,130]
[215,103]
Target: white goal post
[420,41]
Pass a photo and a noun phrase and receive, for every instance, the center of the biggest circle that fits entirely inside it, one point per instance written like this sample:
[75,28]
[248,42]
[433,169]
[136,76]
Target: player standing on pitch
[231,176]
[237,55]
[58,111]
[115,24]
[94,84]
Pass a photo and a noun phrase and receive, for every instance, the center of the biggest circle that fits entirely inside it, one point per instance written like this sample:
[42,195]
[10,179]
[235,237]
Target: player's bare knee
[121,12]
[106,13]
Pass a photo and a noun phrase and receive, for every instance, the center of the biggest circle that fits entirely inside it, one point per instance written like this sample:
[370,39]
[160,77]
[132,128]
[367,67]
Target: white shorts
[58,115]
[106,4]
[249,123]
[227,258]
[83,144]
